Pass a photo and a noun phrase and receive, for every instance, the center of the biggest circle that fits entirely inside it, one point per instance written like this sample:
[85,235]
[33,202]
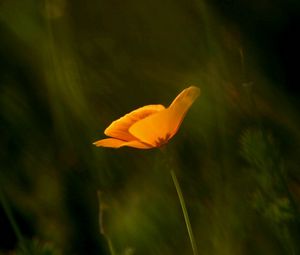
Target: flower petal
[119,128]
[116,143]
[188,95]
[158,128]
[181,104]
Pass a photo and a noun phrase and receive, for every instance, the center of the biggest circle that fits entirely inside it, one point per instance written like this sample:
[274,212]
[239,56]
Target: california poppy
[150,126]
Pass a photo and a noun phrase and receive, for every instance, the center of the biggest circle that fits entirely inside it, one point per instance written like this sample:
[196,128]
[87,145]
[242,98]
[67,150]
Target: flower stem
[185,213]
[13,223]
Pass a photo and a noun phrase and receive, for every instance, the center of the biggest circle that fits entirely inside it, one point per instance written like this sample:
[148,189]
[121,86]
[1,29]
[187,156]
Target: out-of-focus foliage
[272,197]
[69,68]
[36,247]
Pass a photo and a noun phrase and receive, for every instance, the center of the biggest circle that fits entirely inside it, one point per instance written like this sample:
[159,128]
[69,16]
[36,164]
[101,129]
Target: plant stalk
[185,213]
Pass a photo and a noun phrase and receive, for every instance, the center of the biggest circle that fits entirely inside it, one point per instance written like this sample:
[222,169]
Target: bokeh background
[69,68]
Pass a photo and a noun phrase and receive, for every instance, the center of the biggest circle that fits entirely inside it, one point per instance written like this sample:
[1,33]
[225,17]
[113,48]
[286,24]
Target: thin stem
[185,213]
[110,246]
[101,226]
[12,221]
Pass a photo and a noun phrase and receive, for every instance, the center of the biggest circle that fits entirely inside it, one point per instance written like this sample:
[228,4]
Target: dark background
[69,68]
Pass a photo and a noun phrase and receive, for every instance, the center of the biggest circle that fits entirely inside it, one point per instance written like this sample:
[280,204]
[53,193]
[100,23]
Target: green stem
[185,213]
[110,246]
[102,231]
[12,221]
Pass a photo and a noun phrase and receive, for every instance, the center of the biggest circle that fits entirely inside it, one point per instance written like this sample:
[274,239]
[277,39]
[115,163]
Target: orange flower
[150,126]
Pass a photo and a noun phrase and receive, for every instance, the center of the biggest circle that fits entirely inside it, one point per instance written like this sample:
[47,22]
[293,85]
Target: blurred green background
[69,68]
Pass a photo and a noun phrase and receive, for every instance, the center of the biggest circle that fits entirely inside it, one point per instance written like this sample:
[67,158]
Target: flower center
[162,140]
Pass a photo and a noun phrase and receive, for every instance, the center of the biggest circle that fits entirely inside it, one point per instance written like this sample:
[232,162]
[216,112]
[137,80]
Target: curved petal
[158,128]
[180,105]
[119,128]
[116,143]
